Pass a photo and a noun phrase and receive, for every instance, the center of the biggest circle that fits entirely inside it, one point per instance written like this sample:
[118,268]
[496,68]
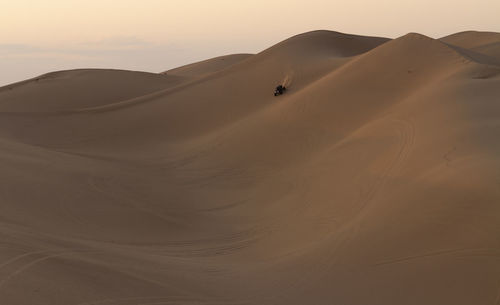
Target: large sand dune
[374,180]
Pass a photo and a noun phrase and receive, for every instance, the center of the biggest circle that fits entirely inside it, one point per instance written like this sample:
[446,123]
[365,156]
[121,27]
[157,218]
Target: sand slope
[75,89]
[209,66]
[373,180]
[487,43]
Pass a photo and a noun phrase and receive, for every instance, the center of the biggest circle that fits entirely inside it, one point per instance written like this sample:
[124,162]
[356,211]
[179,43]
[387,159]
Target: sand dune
[205,67]
[74,89]
[487,43]
[373,180]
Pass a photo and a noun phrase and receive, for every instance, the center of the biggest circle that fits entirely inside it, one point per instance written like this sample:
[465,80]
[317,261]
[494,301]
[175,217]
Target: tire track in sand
[23,266]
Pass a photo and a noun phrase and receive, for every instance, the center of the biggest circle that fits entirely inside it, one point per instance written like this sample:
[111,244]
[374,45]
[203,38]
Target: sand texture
[375,179]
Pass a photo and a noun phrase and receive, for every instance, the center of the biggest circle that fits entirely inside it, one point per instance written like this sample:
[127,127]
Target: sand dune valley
[375,178]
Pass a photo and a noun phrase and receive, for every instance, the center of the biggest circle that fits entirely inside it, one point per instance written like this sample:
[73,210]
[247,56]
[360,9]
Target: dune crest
[206,67]
[372,180]
[487,43]
[74,89]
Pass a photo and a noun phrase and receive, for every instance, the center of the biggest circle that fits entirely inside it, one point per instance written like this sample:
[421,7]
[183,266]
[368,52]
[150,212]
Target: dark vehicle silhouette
[279,90]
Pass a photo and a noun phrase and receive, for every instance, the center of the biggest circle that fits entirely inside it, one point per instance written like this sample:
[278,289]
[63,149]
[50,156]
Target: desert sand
[375,179]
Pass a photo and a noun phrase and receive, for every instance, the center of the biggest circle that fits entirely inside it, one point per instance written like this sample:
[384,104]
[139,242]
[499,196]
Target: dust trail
[287,81]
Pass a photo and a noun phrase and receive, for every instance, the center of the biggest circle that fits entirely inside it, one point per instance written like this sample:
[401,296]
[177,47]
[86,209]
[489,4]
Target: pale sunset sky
[155,35]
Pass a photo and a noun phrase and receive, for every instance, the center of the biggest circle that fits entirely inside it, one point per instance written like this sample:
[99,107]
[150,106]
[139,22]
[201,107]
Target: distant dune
[375,179]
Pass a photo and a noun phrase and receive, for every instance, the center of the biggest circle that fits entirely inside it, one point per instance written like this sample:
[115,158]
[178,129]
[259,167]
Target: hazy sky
[38,36]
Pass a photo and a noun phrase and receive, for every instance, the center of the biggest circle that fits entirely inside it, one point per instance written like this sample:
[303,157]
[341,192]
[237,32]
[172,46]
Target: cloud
[119,46]
[6,48]
[117,43]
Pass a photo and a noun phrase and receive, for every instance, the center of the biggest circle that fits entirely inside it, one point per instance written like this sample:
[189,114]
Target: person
[279,90]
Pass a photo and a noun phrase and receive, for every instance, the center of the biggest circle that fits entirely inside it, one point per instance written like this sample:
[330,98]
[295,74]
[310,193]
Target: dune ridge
[373,180]
[205,67]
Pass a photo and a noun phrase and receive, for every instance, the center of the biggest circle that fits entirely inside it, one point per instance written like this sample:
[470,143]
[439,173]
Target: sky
[39,36]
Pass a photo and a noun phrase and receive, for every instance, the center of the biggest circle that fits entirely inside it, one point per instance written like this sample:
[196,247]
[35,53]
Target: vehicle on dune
[280,89]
